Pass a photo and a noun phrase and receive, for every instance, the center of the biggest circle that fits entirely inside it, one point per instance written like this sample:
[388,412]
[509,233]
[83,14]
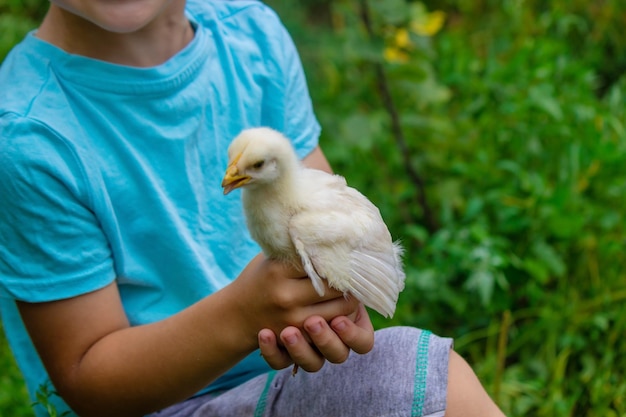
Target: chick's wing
[341,237]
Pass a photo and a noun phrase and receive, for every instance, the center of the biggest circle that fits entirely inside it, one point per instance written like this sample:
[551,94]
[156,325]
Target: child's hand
[276,299]
[331,342]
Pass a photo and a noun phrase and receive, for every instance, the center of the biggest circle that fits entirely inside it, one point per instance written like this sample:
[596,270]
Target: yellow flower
[397,55]
[400,44]
[401,38]
[428,24]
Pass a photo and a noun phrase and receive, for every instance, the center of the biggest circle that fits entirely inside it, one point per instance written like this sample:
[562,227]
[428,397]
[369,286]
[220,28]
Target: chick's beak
[233,179]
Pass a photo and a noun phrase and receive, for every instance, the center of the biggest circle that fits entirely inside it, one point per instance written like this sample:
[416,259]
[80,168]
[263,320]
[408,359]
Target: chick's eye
[258,165]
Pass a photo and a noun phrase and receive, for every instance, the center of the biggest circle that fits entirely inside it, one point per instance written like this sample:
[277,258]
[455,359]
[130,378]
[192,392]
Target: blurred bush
[16,19]
[492,135]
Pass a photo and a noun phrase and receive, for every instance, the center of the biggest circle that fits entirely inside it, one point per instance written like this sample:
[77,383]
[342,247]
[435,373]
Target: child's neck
[148,46]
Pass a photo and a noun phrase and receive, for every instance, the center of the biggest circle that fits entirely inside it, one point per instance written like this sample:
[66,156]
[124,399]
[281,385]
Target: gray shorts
[406,374]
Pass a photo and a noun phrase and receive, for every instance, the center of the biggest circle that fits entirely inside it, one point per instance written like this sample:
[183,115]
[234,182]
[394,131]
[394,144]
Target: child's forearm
[102,366]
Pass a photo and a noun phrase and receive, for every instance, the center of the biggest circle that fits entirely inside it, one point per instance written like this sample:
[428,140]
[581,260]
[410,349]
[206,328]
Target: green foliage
[16,19]
[13,396]
[494,146]
[513,117]
[44,396]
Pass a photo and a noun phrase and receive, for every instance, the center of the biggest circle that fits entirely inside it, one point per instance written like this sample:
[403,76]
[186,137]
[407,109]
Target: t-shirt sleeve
[52,245]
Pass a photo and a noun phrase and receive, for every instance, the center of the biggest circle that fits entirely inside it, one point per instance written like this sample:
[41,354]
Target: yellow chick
[309,217]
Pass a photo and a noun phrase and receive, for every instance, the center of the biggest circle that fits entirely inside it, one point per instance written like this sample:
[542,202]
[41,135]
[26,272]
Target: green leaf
[543,97]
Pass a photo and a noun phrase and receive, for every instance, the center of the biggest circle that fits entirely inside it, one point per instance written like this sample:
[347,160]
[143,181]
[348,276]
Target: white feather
[304,215]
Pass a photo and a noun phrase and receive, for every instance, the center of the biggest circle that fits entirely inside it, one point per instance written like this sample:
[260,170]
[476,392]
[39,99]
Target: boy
[127,279]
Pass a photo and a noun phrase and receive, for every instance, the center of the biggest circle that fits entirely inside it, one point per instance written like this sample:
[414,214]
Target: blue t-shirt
[109,172]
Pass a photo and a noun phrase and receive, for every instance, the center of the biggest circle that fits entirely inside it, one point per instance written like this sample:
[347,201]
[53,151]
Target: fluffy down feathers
[308,216]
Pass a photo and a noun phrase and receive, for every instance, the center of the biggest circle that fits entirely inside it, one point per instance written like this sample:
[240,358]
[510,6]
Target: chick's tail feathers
[375,279]
[377,282]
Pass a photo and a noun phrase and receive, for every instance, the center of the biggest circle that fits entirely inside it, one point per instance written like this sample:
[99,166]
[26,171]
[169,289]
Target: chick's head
[258,156]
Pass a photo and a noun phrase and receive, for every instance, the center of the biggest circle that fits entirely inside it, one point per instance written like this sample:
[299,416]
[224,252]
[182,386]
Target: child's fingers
[358,335]
[326,340]
[301,352]
[274,355]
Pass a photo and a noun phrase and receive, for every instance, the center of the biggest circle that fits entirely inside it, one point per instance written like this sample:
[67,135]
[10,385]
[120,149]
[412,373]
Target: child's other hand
[329,341]
[291,323]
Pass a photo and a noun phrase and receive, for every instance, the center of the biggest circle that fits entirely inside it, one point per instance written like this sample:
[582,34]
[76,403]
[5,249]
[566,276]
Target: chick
[311,218]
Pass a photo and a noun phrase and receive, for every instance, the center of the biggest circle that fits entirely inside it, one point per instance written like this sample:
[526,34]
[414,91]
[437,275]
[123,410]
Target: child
[128,281]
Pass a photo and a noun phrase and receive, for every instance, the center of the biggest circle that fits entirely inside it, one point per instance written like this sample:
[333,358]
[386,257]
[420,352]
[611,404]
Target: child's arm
[316,159]
[103,366]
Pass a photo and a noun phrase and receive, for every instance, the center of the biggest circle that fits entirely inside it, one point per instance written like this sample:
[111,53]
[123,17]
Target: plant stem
[384,90]
[501,354]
